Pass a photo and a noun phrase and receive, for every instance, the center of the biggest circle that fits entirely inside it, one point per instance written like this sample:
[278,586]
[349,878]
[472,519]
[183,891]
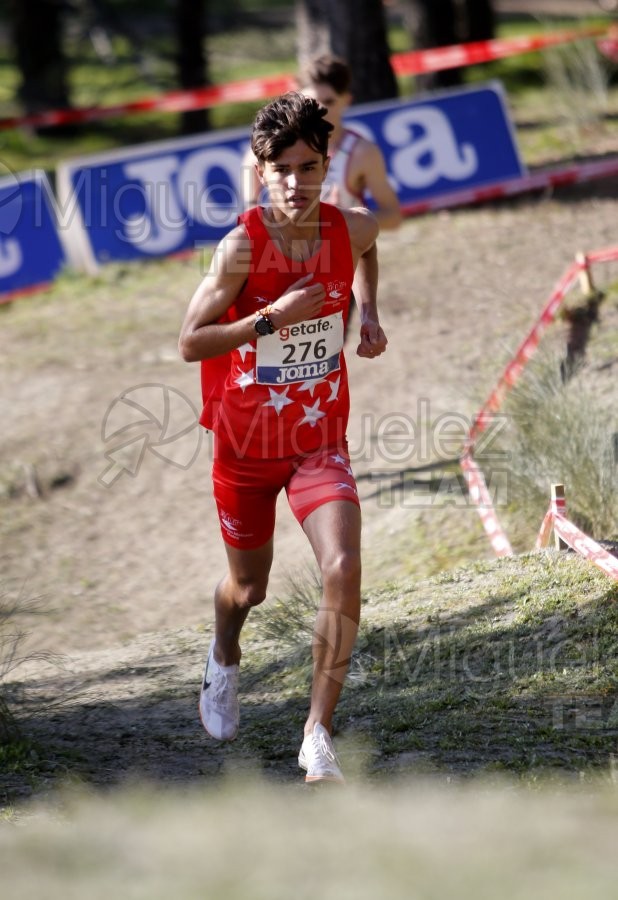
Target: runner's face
[335,103]
[294,180]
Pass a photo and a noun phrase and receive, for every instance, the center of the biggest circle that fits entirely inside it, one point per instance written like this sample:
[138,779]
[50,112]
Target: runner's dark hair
[288,119]
[329,70]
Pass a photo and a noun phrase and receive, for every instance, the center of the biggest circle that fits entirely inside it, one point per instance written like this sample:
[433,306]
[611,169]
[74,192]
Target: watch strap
[265,314]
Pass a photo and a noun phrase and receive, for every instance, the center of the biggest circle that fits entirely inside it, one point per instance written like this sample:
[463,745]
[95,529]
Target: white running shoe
[318,758]
[219,709]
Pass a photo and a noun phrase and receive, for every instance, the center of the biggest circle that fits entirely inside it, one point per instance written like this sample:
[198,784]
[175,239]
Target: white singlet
[338,172]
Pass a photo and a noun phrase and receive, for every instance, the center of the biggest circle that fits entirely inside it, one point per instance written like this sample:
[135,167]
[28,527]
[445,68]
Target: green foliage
[577,82]
[495,666]
[561,432]
[12,637]
[242,51]
[18,755]
[288,620]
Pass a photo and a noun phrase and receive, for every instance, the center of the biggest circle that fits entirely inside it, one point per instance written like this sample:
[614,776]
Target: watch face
[263,326]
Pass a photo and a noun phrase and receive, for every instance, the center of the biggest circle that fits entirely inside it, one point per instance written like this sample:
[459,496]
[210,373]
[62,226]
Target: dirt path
[126,573]
[458,291]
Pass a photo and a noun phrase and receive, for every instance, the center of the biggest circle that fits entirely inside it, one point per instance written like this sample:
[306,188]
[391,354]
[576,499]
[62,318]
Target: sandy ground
[458,291]
[124,572]
[123,569]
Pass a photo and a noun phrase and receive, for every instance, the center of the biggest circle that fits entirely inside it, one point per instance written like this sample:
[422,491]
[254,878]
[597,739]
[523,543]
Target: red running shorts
[246,490]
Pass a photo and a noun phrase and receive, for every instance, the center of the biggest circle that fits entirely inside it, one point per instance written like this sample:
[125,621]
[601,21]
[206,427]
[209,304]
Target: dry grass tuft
[561,432]
[12,638]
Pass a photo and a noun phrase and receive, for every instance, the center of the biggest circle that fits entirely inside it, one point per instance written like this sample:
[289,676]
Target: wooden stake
[585,278]
[558,505]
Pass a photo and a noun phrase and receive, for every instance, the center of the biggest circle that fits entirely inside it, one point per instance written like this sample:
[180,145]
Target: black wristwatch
[263,323]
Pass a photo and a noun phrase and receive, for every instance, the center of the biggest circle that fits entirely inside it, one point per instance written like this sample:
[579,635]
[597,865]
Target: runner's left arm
[363,229]
[375,180]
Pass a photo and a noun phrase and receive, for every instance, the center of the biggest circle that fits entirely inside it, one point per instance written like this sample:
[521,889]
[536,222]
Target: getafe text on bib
[302,352]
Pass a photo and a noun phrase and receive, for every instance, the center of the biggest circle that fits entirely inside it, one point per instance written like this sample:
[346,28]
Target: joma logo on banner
[167,197]
[31,251]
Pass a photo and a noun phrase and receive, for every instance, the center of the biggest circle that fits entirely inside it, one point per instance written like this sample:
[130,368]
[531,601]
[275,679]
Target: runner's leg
[334,531]
[242,588]
[245,492]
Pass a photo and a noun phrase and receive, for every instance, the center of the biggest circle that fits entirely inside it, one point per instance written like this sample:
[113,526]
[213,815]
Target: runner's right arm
[202,336]
[250,185]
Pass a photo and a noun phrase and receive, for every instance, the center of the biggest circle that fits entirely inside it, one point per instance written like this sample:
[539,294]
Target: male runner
[267,322]
[357,169]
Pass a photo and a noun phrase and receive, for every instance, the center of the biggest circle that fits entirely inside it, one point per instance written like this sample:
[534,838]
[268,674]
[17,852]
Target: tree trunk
[480,20]
[37,35]
[440,23]
[192,63]
[356,32]
[437,27]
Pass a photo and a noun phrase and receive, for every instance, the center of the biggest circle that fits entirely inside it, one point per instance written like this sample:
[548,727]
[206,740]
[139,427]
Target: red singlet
[279,400]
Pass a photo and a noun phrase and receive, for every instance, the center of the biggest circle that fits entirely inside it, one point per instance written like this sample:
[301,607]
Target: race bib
[303,352]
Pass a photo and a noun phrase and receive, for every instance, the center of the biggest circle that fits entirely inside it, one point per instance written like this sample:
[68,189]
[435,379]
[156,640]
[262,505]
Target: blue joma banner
[164,198]
[31,253]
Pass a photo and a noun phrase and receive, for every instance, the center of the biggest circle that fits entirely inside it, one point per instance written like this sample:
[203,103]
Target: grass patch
[506,667]
[559,432]
[497,666]
[12,636]
[18,757]
[247,53]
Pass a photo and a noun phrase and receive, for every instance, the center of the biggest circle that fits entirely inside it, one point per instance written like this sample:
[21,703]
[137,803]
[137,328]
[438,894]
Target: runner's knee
[341,569]
[250,592]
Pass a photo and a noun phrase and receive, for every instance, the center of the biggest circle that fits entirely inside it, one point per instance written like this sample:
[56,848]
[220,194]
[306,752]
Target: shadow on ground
[506,666]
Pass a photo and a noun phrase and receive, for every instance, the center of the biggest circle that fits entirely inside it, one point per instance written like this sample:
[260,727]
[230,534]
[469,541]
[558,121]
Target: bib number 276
[303,352]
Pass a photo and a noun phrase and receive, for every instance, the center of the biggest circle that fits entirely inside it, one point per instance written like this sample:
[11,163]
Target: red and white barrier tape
[608,44]
[556,507]
[585,546]
[524,352]
[457,56]
[414,62]
[558,176]
[608,254]
[474,477]
[480,496]
[174,101]
[528,346]
[545,531]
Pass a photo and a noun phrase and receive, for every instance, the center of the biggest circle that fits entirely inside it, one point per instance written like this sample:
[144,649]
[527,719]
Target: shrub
[561,432]
[12,637]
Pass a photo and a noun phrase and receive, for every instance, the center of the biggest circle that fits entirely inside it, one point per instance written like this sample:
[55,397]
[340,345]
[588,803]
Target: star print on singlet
[286,413]
[310,386]
[244,379]
[278,400]
[246,348]
[313,413]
